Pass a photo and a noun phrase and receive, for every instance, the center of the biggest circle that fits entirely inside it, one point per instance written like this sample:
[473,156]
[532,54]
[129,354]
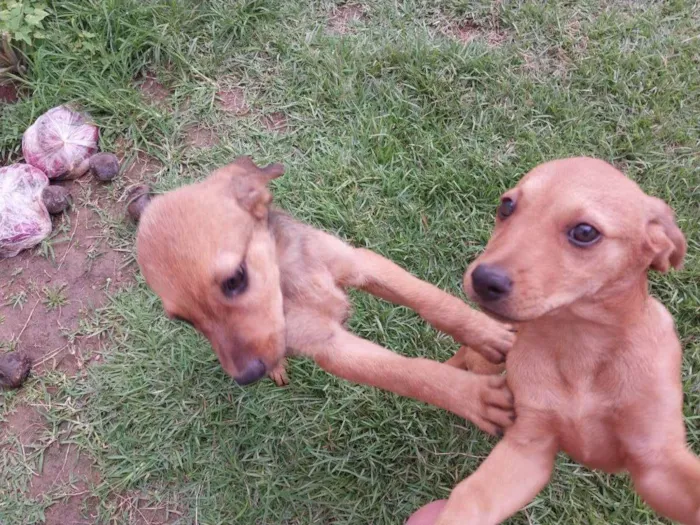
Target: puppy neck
[606,315]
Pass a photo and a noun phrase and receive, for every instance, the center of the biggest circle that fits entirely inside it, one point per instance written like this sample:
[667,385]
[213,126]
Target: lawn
[400,124]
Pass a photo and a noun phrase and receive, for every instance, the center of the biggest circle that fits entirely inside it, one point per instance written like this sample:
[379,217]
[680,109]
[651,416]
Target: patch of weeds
[9,345]
[55,297]
[13,275]
[17,299]
[45,250]
[91,256]
[58,236]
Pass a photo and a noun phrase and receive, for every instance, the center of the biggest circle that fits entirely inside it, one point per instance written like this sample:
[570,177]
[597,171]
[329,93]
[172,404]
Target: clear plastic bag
[60,143]
[24,221]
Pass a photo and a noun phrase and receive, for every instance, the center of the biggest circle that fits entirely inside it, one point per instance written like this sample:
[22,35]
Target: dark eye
[236,284]
[506,208]
[583,235]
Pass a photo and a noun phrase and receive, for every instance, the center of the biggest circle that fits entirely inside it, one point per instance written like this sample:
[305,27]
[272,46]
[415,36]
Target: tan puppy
[596,368]
[260,285]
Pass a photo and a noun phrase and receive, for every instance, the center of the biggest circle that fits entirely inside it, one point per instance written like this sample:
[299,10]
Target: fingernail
[499,433]
[512,417]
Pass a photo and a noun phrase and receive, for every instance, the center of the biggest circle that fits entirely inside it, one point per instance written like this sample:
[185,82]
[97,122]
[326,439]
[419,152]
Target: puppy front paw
[493,410]
[468,359]
[490,338]
[279,373]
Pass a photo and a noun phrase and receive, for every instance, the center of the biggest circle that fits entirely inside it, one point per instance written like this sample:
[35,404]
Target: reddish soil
[275,122]
[67,473]
[467,31]
[153,91]
[84,268]
[141,511]
[140,169]
[25,424]
[200,137]
[343,18]
[233,101]
[8,93]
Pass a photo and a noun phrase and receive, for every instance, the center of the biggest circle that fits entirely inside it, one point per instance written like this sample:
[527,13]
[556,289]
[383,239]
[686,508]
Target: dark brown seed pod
[14,369]
[56,199]
[104,166]
[138,198]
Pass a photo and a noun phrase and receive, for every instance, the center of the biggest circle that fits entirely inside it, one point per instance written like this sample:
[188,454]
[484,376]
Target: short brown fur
[596,368]
[194,238]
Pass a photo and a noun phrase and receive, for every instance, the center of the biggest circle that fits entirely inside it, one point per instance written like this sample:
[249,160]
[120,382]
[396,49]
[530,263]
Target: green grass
[400,140]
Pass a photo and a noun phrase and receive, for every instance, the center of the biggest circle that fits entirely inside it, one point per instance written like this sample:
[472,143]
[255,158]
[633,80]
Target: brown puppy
[260,285]
[595,370]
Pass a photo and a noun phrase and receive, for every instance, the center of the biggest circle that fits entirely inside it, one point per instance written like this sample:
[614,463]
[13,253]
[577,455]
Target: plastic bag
[24,221]
[60,143]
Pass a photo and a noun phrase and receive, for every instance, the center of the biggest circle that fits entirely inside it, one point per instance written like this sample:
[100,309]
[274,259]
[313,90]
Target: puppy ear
[254,197]
[664,239]
[250,184]
[269,172]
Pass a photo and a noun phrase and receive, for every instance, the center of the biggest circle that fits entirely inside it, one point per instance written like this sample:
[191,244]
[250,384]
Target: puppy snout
[254,370]
[491,283]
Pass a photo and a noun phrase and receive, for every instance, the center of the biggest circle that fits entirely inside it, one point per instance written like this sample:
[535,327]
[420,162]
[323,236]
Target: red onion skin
[24,220]
[59,143]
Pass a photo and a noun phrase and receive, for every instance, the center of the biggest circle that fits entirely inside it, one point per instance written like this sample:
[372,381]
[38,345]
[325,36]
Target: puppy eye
[236,284]
[506,208]
[583,235]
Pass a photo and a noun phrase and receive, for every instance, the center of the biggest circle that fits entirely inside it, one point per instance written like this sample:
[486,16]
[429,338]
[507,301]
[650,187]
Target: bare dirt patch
[344,18]
[200,137]
[233,100]
[152,91]
[47,290]
[467,31]
[553,62]
[140,169]
[8,93]
[66,476]
[25,424]
[276,122]
[141,510]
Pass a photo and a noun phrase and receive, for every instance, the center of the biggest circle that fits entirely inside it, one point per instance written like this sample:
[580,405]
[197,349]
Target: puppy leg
[373,273]
[506,481]
[484,400]
[468,359]
[670,484]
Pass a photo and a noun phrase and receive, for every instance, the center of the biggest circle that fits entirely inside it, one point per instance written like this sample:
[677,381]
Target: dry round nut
[139,197]
[14,369]
[105,166]
[56,199]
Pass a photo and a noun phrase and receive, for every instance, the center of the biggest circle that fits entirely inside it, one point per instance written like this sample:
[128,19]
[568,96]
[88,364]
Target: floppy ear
[664,238]
[250,184]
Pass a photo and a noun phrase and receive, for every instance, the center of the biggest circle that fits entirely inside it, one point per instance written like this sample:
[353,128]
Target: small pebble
[105,166]
[56,199]
[14,369]
[139,197]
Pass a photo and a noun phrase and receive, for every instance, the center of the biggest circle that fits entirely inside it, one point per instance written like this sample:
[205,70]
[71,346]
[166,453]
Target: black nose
[491,283]
[254,371]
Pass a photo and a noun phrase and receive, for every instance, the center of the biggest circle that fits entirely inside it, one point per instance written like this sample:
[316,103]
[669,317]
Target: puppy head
[571,230]
[206,251]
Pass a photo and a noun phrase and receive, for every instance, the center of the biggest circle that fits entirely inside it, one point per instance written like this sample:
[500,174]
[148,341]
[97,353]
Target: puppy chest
[587,433]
